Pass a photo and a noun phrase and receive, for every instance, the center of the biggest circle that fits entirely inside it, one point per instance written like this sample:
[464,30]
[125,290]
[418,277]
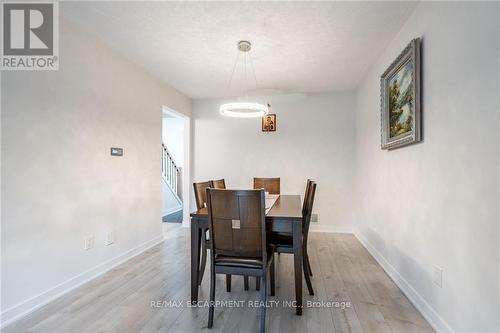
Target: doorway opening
[175,152]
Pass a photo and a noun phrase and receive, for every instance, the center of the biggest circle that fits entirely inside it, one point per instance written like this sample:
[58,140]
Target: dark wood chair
[205,245]
[237,226]
[200,196]
[219,183]
[304,207]
[271,185]
[283,242]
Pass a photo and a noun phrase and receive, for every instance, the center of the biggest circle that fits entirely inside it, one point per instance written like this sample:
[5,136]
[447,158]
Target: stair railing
[170,171]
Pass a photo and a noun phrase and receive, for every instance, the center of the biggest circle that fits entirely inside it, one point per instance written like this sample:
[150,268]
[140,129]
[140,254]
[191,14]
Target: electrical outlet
[315,217]
[88,242]
[437,276]
[109,238]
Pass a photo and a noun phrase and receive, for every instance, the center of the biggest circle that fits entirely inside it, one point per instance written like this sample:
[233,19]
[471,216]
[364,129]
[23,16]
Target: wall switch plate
[437,276]
[88,242]
[315,217]
[109,238]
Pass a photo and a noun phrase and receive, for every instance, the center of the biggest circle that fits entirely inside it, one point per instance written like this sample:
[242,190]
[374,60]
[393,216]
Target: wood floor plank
[121,300]
[344,319]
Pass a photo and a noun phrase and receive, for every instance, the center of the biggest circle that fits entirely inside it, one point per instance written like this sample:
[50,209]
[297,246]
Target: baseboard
[434,319]
[330,229]
[171,210]
[22,309]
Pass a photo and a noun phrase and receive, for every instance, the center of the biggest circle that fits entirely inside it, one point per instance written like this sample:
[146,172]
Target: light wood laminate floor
[120,300]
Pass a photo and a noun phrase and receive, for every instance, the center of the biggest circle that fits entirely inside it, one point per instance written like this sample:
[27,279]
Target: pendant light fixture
[246,109]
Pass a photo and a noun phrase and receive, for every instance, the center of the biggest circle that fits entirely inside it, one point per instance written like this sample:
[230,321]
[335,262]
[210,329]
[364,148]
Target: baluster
[169,170]
[163,161]
[170,164]
[173,178]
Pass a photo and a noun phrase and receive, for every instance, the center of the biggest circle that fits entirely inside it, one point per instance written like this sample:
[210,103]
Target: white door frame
[186,171]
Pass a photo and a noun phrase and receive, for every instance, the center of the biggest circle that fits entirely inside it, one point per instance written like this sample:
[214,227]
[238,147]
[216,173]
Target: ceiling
[297,47]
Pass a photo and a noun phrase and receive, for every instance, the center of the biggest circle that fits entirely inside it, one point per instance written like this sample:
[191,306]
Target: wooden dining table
[285,215]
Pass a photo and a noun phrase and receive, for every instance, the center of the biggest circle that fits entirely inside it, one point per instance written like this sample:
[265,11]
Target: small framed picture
[269,123]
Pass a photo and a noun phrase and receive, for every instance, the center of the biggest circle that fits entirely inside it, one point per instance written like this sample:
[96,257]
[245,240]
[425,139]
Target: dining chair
[283,242]
[271,185]
[304,207]
[219,183]
[200,196]
[237,227]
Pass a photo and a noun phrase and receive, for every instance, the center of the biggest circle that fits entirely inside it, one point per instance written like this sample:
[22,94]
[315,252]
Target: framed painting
[400,99]
[269,123]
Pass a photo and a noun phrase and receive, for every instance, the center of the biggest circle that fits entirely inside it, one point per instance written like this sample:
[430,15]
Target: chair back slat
[236,221]
[219,183]
[271,185]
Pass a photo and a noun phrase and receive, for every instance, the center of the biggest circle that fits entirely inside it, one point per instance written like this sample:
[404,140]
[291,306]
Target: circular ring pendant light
[244,109]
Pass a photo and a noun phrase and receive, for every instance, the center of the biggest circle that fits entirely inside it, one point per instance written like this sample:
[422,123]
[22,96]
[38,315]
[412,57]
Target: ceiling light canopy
[247,109]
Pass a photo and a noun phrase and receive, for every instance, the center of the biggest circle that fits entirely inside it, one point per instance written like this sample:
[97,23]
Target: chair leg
[228,283]
[203,261]
[273,286]
[245,282]
[307,276]
[309,265]
[263,298]
[212,297]
[257,283]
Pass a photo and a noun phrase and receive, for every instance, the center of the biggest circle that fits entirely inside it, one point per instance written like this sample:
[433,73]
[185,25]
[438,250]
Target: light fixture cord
[246,81]
[228,88]
[253,70]
[232,73]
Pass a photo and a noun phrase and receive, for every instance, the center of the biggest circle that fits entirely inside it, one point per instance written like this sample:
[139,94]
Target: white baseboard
[434,319]
[314,227]
[25,307]
[171,210]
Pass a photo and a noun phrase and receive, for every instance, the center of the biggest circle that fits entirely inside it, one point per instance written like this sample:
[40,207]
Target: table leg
[297,261]
[195,258]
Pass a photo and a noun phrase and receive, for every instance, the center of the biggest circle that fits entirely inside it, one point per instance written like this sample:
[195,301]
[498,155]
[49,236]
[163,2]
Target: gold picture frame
[269,123]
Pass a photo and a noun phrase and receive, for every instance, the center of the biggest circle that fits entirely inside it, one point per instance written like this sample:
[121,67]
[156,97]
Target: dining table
[284,215]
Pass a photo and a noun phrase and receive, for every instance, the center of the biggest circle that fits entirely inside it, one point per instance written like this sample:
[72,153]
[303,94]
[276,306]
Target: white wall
[436,203]
[314,139]
[59,182]
[173,137]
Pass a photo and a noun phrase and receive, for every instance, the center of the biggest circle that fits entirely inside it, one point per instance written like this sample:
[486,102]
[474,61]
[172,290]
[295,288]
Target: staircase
[172,178]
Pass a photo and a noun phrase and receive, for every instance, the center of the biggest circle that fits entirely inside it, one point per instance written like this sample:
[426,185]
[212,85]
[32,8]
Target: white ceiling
[298,47]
